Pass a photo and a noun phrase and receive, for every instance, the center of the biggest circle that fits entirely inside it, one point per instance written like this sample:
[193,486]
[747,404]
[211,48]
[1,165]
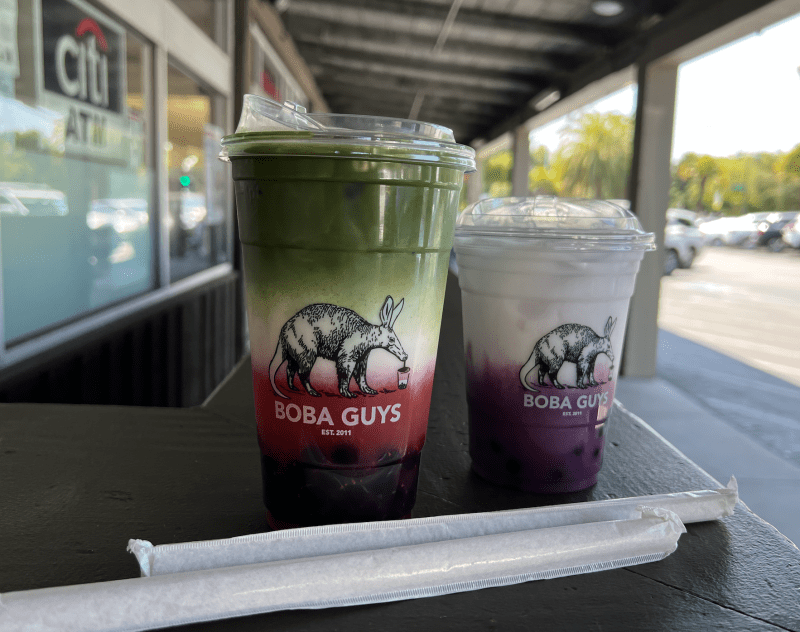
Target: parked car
[115,224]
[791,233]
[732,231]
[32,200]
[715,229]
[124,215]
[768,232]
[683,240]
[187,221]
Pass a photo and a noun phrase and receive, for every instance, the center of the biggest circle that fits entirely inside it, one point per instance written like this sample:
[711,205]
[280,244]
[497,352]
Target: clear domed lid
[585,224]
[267,128]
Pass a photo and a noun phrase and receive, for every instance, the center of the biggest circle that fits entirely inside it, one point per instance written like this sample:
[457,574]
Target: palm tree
[545,177]
[706,169]
[597,156]
[497,174]
[790,165]
[696,171]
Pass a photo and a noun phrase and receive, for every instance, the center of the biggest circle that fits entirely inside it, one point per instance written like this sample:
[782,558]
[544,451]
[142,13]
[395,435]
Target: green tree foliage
[737,184]
[497,174]
[790,166]
[14,163]
[597,156]
[594,161]
[545,177]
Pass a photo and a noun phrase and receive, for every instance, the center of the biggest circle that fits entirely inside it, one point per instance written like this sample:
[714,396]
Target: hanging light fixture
[607,8]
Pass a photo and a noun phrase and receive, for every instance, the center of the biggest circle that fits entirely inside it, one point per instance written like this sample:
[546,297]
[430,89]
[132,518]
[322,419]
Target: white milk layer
[511,301]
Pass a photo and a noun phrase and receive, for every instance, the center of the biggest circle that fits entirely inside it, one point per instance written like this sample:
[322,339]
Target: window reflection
[198,180]
[75,184]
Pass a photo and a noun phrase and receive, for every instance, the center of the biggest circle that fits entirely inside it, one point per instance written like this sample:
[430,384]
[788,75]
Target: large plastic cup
[346,224]
[546,285]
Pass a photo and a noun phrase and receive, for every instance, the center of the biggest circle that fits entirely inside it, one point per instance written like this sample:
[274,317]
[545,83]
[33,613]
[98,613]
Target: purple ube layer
[537,447]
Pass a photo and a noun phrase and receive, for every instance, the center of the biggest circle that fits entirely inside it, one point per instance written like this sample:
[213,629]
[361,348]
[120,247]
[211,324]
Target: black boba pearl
[389,455]
[312,455]
[578,450]
[514,466]
[596,452]
[345,454]
[555,475]
[601,430]
[496,447]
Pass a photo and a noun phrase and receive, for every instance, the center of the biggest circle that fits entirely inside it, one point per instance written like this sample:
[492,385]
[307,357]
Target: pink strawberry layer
[363,431]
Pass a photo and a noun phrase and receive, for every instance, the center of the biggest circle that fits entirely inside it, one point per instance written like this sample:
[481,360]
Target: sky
[743,97]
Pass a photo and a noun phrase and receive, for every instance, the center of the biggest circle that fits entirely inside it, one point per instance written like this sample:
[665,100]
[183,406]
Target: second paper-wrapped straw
[389,574]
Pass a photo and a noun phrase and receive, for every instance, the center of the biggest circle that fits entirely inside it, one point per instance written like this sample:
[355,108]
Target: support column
[520,182]
[649,193]
[475,179]
[161,166]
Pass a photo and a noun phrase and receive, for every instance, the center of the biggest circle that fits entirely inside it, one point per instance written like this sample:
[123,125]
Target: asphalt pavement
[742,303]
[727,390]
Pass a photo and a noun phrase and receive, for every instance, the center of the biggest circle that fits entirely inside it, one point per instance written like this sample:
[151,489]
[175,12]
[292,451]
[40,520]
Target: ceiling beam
[438,118]
[420,74]
[689,22]
[389,45]
[459,58]
[450,104]
[466,63]
[367,83]
[425,19]
[399,109]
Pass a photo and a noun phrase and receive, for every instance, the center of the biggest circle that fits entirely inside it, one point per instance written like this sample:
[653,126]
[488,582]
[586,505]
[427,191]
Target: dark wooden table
[76,482]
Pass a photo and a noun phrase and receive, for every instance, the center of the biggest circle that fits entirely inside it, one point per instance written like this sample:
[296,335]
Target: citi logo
[86,55]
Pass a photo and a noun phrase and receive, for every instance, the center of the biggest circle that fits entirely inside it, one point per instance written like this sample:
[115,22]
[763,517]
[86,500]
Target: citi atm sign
[83,72]
[86,55]
[82,55]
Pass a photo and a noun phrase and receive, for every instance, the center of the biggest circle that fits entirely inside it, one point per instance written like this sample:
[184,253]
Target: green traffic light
[185,181]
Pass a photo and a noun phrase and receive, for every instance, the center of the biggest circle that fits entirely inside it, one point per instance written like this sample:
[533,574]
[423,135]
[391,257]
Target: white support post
[650,180]
[475,179]
[160,95]
[520,171]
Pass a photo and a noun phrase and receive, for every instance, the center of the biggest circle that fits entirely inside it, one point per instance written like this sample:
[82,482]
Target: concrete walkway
[730,419]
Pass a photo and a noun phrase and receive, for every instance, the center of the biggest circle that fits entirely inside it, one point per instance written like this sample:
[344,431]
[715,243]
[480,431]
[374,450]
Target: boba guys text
[554,402]
[352,416]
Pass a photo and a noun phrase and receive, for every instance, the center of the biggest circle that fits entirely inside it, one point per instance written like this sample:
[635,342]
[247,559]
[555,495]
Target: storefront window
[76,182]
[198,180]
[269,76]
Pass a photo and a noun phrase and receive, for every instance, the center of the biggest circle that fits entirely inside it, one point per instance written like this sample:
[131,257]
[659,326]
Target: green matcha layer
[319,203]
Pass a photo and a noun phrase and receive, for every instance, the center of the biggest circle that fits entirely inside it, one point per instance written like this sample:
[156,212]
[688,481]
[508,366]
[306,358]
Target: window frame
[267,53]
[220,106]
[169,36]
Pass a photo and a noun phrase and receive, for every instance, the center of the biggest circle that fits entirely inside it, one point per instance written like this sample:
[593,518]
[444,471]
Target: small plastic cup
[402,377]
[346,224]
[546,285]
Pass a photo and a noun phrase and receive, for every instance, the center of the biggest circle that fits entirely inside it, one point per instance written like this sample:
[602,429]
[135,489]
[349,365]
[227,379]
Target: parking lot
[743,303]
[727,391]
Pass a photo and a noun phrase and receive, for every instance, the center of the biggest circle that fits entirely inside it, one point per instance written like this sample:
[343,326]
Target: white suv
[683,241]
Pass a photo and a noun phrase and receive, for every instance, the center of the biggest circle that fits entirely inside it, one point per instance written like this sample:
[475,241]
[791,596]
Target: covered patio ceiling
[482,67]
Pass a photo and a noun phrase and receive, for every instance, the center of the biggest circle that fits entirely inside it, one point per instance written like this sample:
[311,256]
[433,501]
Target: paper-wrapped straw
[373,576]
[697,506]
